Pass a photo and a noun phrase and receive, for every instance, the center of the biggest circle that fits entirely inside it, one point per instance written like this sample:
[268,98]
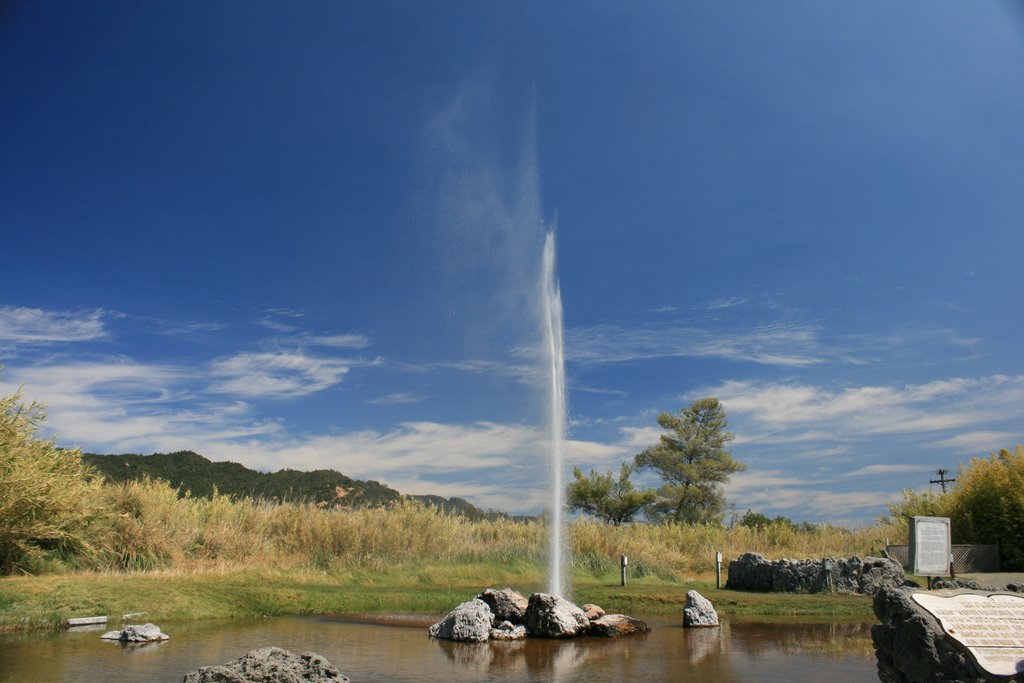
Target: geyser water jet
[552,312]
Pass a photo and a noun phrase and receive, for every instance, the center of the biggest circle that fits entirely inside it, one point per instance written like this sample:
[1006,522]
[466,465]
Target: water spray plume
[552,309]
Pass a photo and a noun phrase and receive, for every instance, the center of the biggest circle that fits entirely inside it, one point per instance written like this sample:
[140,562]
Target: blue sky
[308,235]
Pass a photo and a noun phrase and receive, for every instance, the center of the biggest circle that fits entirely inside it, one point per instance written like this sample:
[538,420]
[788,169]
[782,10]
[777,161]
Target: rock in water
[137,633]
[698,612]
[506,604]
[471,621]
[508,631]
[550,616]
[270,665]
[592,611]
[615,625]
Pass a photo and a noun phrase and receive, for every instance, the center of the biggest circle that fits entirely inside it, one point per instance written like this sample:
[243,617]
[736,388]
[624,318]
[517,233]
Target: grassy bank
[145,548]
[168,596]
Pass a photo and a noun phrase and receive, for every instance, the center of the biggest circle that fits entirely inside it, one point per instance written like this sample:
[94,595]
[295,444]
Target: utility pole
[942,481]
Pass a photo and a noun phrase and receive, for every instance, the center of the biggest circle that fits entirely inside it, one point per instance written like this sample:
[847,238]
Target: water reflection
[379,652]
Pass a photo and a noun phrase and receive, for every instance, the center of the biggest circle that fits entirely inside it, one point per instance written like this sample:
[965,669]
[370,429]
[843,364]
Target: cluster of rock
[137,633]
[752,572]
[911,647]
[507,615]
[270,665]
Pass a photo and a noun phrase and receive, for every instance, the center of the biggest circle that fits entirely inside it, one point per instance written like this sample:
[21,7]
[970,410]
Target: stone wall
[752,572]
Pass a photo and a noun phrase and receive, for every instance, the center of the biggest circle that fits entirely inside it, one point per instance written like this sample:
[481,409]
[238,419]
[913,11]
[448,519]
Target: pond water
[398,649]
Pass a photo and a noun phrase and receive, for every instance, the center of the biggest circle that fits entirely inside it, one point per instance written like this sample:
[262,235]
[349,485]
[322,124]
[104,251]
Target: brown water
[399,650]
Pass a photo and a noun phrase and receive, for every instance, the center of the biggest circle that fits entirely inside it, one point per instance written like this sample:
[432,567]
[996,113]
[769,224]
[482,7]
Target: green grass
[46,601]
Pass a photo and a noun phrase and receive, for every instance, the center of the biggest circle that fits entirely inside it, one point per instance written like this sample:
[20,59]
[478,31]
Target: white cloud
[873,410]
[340,341]
[34,325]
[980,443]
[872,470]
[276,375]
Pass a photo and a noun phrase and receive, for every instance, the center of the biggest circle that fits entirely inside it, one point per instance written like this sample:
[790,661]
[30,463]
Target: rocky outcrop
[615,625]
[506,604]
[911,647]
[270,665]
[137,633]
[699,612]
[471,622]
[752,572]
[549,616]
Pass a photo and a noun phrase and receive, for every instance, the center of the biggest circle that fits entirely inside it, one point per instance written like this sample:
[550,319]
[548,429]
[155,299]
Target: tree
[46,494]
[611,500]
[693,461]
[985,506]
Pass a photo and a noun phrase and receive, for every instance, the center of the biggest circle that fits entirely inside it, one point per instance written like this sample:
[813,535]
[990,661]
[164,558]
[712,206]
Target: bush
[46,494]
[986,505]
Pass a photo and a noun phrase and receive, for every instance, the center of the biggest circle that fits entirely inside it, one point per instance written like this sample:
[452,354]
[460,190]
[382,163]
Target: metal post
[718,570]
[623,561]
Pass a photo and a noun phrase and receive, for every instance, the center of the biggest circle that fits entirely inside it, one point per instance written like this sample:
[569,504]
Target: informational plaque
[990,627]
[930,546]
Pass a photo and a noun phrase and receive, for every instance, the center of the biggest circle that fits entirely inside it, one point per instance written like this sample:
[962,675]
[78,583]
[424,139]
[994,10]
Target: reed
[149,526]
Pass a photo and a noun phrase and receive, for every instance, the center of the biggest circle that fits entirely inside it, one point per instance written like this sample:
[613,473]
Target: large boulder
[471,621]
[506,604]
[137,633]
[270,665]
[615,625]
[752,572]
[699,612]
[911,646]
[550,616]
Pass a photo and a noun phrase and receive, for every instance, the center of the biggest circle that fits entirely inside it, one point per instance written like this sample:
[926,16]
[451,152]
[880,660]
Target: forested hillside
[194,473]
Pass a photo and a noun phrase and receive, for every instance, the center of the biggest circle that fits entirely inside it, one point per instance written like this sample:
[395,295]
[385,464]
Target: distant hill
[192,472]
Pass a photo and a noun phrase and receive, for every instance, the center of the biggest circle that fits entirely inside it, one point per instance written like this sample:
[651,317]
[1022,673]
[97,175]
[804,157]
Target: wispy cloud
[981,442]
[399,398]
[280,374]
[872,410]
[793,345]
[874,470]
[34,325]
[731,302]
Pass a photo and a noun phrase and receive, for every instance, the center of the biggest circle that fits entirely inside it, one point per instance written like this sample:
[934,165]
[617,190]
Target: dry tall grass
[150,527]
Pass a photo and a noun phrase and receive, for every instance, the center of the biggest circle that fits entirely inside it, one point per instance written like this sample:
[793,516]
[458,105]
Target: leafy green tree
[614,501]
[985,506]
[46,494]
[693,461]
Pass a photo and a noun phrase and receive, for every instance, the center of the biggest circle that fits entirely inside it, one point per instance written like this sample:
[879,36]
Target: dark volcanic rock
[506,604]
[550,616]
[615,625]
[752,572]
[471,621]
[911,647]
[270,665]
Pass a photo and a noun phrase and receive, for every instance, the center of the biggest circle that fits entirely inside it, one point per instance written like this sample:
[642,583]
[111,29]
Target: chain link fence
[967,559]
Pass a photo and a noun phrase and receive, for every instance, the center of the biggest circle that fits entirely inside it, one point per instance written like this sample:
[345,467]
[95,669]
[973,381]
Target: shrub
[46,494]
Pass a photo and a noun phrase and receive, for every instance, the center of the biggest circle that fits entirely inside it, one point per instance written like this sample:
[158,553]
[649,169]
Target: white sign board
[991,627]
[930,548]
